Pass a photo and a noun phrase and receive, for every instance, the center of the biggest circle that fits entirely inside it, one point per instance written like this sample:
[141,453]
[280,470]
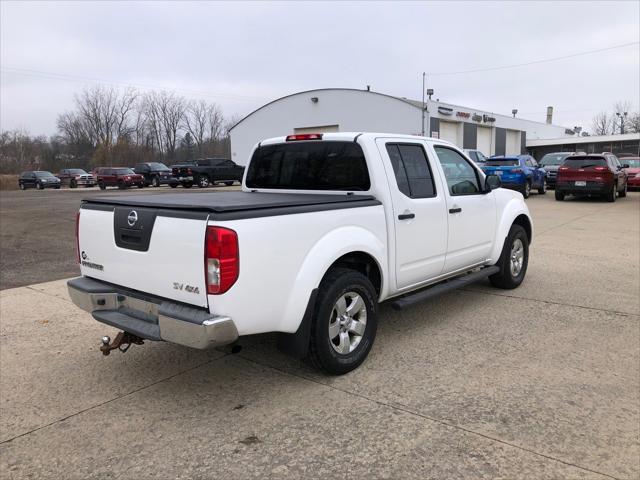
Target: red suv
[596,174]
[120,177]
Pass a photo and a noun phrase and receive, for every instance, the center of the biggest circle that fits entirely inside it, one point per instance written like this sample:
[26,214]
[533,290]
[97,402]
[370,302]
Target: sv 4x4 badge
[186,288]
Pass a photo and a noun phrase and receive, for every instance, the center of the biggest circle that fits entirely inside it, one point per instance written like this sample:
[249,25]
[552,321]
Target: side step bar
[440,288]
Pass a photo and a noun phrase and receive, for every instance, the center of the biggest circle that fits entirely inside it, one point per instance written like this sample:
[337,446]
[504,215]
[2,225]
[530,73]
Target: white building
[350,110]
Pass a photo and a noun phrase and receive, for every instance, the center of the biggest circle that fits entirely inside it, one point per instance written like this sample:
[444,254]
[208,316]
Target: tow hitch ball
[122,342]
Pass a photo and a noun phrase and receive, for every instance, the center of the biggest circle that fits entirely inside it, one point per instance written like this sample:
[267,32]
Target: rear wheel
[155,182]
[344,324]
[22,187]
[228,184]
[173,185]
[513,261]
[140,185]
[203,181]
[73,183]
[102,186]
[527,189]
[559,195]
[187,184]
[543,189]
[121,185]
[611,196]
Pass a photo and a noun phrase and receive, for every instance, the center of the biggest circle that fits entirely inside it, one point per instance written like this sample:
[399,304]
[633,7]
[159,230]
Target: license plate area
[580,183]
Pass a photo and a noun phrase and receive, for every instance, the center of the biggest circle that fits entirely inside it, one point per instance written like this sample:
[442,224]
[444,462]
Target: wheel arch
[514,213]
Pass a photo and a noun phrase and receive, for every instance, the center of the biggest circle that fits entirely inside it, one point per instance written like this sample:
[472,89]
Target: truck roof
[351,136]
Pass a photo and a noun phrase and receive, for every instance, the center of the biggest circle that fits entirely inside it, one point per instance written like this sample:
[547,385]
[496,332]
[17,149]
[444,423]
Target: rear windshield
[322,165]
[554,158]
[502,162]
[585,162]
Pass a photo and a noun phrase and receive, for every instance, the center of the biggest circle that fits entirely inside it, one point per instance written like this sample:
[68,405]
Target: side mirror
[491,182]
[626,165]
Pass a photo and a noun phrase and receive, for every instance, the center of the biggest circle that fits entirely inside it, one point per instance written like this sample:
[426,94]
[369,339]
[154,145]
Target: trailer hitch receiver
[122,342]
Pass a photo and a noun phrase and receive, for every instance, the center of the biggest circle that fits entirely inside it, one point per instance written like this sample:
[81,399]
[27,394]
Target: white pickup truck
[326,227]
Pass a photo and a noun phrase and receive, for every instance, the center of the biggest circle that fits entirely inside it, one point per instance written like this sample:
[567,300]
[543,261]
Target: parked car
[207,171]
[594,174]
[38,179]
[551,163]
[476,155]
[121,177]
[517,172]
[75,177]
[154,173]
[316,260]
[632,171]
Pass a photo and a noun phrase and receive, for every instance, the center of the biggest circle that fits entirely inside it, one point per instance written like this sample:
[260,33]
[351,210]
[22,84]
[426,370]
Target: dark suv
[596,174]
[121,177]
[38,179]
[154,173]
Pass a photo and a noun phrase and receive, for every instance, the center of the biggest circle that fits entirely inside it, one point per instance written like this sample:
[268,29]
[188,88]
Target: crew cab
[75,177]
[154,173]
[207,171]
[518,172]
[595,174]
[325,228]
[121,177]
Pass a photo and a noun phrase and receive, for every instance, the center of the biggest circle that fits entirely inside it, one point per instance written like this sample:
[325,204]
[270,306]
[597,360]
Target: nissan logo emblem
[132,218]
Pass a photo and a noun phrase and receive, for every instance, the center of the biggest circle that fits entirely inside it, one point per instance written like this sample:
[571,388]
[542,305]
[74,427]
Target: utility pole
[423,81]
[622,117]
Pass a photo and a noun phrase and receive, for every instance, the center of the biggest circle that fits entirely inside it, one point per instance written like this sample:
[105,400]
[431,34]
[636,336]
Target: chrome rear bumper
[151,317]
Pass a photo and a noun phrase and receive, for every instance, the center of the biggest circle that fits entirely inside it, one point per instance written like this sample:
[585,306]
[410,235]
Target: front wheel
[173,185]
[513,261]
[228,184]
[187,184]
[155,182]
[559,195]
[344,325]
[203,181]
[527,189]
[611,196]
[140,185]
[102,186]
[73,183]
[543,189]
[22,187]
[623,193]
[39,186]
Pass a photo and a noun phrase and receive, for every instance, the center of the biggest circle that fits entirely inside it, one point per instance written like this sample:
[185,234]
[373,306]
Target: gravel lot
[542,382]
[37,231]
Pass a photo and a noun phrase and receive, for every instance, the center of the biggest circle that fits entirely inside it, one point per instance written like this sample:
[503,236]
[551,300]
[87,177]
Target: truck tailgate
[156,251]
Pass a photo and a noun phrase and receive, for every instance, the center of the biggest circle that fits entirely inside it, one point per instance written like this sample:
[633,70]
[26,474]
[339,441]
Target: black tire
[121,185]
[623,193]
[155,182]
[187,184]
[526,191]
[505,278]
[203,181]
[559,195]
[57,187]
[102,186]
[173,185]
[611,196]
[140,185]
[340,283]
[542,190]
[22,187]
[39,186]
[73,183]
[228,184]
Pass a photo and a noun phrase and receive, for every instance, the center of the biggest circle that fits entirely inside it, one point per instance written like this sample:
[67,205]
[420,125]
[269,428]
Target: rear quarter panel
[283,258]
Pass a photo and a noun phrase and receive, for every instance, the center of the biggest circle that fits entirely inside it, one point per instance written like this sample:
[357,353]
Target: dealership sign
[445,111]
[463,115]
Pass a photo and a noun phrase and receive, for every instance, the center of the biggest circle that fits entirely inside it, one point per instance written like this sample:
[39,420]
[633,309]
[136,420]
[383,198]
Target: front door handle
[406,216]
[455,210]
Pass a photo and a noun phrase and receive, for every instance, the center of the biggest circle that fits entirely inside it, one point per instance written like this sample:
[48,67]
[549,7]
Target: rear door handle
[406,216]
[455,210]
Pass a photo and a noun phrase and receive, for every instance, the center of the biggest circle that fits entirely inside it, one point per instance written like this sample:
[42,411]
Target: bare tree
[196,122]
[602,124]
[165,113]
[632,125]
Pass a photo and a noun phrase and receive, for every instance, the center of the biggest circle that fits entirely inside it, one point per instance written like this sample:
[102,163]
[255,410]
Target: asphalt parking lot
[542,382]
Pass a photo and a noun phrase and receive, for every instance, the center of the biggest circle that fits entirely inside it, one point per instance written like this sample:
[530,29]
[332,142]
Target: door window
[462,177]
[412,170]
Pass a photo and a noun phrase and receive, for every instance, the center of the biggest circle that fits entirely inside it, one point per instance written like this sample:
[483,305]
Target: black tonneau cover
[235,205]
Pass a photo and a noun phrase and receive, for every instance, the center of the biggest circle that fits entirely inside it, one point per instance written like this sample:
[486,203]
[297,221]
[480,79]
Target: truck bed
[237,205]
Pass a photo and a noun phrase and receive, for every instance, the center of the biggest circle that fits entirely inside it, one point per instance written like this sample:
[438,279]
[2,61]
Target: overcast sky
[242,55]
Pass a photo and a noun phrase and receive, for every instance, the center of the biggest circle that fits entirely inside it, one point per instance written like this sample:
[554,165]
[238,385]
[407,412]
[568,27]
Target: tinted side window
[462,178]
[412,170]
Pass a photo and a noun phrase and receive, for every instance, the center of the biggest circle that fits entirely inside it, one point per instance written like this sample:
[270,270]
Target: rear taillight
[78,236]
[516,170]
[189,171]
[221,259]
[304,136]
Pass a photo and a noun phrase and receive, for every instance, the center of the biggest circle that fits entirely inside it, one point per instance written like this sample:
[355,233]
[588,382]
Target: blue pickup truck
[517,172]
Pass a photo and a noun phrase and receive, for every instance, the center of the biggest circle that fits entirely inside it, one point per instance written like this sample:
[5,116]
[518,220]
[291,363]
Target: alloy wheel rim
[347,323]
[528,188]
[517,257]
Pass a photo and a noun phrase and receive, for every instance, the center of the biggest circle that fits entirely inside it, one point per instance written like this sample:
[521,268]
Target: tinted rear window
[554,158]
[322,165]
[585,162]
[504,162]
